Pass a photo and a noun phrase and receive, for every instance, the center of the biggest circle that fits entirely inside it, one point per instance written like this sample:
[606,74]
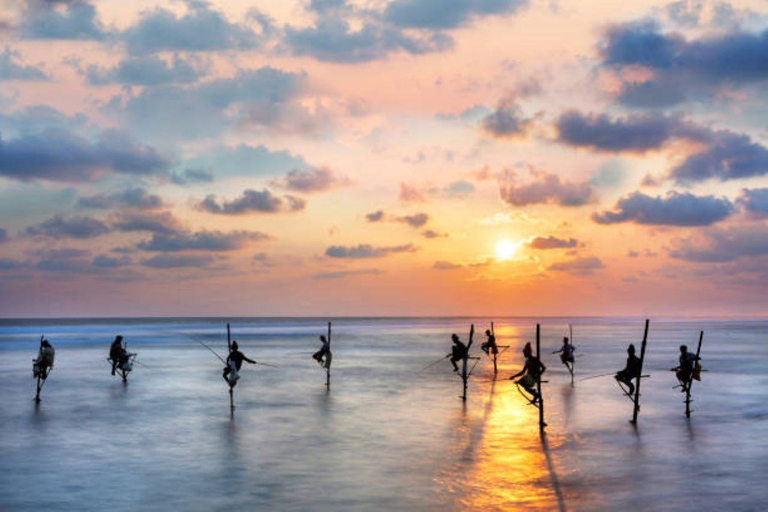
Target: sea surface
[385,436]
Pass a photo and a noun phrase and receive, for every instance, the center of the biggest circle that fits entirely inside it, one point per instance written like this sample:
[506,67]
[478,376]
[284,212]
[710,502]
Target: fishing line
[205,345]
[433,363]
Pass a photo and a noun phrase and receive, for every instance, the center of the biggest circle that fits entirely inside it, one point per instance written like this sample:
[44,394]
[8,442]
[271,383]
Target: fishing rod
[205,345]
[434,363]
[267,364]
[597,376]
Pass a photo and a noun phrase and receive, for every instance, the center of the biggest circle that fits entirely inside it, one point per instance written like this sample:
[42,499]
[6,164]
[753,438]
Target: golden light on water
[502,462]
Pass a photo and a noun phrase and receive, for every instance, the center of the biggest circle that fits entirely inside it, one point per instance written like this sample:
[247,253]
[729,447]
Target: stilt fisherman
[234,363]
[631,371]
[459,351]
[489,347]
[44,361]
[566,353]
[324,355]
[688,368]
[531,373]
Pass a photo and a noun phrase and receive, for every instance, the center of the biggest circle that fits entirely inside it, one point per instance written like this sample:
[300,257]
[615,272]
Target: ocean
[385,436]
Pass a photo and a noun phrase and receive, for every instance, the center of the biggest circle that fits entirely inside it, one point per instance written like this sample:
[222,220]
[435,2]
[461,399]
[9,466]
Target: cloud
[162,223]
[63,20]
[59,155]
[434,234]
[201,241]
[11,264]
[411,194]
[35,118]
[675,209]
[446,265]
[145,71]
[724,245]
[191,175]
[333,39]
[506,122]
[105,261]
[77,261]
[245,160]
[460,188]
[754,201]
[63,260]
[376,216]
[11,69]
[548,188]
[552,242]
[366,251]
[73,227]
[131,198]
[578,266]
[311,180]
[265,97]
[683,69]
[349,273]
[729,156]
[637,133]
[167,261]
[437,14]
[725,156]
[471,114]
[416,220]
[200,29]
[252,201]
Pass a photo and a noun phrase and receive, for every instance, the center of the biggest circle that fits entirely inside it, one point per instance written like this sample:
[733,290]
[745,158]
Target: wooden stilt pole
[231,388]
[328,359]
[542,424]
[639,376]
[465,362]
[495,351]
[690,381]
[573,363]
[37,396]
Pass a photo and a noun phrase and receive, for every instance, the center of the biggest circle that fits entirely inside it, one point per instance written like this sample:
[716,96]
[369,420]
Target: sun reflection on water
[500,460]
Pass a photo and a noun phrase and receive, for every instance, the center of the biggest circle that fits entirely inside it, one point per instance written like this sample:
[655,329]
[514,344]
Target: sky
[383,158]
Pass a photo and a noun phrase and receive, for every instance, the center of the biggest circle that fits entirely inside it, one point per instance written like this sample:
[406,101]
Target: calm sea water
[384,437]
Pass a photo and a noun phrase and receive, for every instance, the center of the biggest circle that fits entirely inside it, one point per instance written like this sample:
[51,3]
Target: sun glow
[506,249]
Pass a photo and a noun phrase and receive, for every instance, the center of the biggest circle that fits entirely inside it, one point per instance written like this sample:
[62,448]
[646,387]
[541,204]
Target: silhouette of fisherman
[566,353]
[117,353]
[324,355]
[688,368]
[631,370]
[234,363]
[44,361]
[459,351]
[489,347]
[531,372]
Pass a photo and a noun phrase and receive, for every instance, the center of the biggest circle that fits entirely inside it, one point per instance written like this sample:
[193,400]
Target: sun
[506,249]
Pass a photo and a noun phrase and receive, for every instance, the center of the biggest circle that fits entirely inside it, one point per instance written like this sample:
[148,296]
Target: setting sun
[505,249]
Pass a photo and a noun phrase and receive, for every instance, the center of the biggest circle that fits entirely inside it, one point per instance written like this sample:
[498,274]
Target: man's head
[322,338]
[631,349]
[683,349]
[565,340]
[118,338]
[234,345]
[455,338]
[527,350]
[487,332]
